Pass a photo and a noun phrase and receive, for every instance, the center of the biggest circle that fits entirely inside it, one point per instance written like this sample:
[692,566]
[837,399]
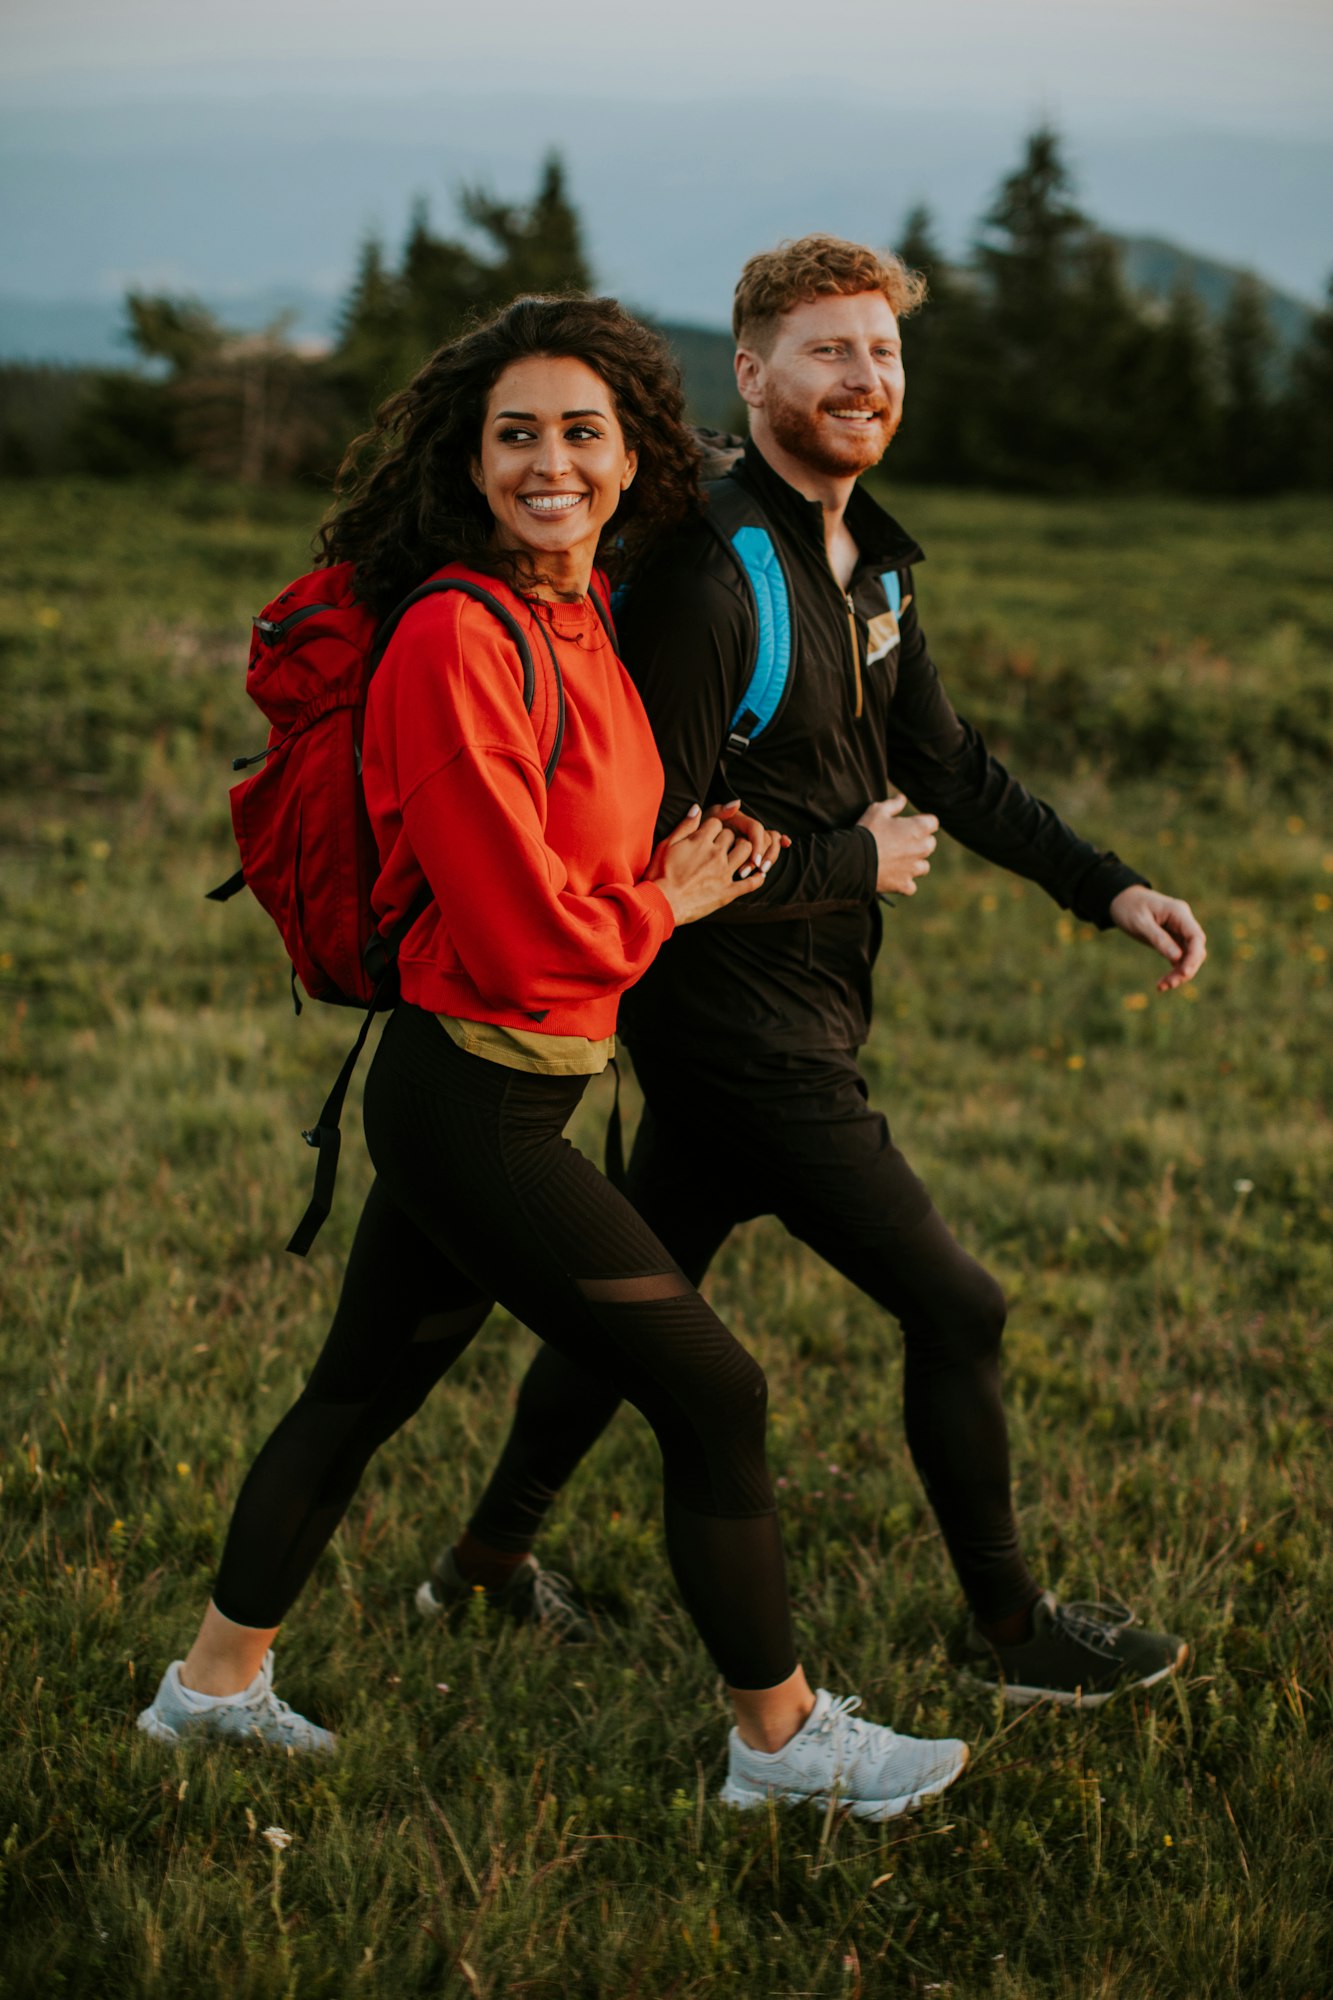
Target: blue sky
[254,144]
[1232,63]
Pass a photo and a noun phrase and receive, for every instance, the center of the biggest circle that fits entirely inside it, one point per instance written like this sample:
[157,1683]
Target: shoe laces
[553,1600]
[280,1712]
[840,1721]
[1097,1626]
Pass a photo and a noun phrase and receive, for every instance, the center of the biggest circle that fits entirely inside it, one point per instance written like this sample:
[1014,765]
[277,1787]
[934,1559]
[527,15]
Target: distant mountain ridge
[1155,267]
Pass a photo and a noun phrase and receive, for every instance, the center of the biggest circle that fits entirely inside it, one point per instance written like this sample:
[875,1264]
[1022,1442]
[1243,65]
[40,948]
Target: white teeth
[551,503]
[858,416]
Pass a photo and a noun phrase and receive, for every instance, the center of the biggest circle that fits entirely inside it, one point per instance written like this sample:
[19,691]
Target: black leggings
[795,1137]
[480,1198]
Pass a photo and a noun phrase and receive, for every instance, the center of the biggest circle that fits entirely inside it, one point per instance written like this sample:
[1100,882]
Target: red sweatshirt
[540,918]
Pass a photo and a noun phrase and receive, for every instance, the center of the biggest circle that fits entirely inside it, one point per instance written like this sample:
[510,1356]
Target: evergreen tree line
[1035,365]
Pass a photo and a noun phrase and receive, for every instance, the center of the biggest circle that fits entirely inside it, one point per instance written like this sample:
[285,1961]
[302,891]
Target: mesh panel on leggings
[712,1444]
[652,1285]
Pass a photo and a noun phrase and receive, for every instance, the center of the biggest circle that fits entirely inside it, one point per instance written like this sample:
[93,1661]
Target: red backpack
[307,851]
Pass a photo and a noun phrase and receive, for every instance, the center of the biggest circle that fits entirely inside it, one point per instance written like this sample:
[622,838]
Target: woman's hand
[767,844]
[696,867]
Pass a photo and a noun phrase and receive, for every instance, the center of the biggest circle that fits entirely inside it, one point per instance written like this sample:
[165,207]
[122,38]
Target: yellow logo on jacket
[882,634]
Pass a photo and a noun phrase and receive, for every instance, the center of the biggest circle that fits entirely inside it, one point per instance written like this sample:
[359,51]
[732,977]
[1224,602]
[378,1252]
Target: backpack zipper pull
[244,763]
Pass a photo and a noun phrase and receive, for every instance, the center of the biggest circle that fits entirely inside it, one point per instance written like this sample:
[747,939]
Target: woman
[521,450]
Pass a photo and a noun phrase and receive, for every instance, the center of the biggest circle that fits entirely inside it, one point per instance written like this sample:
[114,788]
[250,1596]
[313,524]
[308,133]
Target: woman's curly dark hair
[405,501]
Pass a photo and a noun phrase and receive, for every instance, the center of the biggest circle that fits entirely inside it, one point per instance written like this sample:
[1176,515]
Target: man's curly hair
[816,267]
[405,501]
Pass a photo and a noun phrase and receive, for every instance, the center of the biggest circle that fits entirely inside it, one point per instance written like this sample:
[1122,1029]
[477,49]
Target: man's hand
[766,844]
[902,844]
[1166,924]
[701,866]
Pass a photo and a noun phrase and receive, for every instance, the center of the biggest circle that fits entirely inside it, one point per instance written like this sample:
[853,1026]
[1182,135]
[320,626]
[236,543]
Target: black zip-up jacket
[789,967]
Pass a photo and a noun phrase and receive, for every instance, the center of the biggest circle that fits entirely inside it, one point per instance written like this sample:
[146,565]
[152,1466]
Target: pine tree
[539,248]
[1249,407]
[940,439]
[393,320]
[1180,413]
[1104,338]
[1028,256]
[1309,457]
[442,283]
[369,340]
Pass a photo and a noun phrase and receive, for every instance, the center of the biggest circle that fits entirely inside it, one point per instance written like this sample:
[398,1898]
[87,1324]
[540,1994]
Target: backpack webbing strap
[226,890]
[326,1135]
[557,742]
[380,956]
[480,595]
[604,614]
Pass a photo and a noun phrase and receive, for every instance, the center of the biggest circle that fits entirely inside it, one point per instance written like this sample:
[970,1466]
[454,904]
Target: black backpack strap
[226,890]
[326,1136]
[603,611]
[480,595]
[557,741]
[380,956]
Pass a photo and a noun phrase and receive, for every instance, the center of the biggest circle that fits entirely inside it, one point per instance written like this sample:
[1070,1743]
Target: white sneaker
[255,1714]
[871,1770]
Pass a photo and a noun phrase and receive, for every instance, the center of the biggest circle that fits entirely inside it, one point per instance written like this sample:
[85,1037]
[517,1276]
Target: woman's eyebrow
[527,416]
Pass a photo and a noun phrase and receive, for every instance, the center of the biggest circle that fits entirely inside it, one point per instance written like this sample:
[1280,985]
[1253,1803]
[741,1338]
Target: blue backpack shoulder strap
[736,520]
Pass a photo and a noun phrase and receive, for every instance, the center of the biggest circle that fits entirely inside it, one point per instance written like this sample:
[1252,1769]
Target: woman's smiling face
[553,464]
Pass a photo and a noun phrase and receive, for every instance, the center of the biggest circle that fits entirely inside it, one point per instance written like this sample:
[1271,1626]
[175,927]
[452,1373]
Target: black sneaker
[1079,1655]
[532,1596]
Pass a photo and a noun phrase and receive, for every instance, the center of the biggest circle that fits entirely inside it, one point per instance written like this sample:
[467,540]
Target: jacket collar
[882,542]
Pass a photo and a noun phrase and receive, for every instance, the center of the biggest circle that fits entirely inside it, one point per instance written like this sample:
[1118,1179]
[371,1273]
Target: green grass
[1149,1178]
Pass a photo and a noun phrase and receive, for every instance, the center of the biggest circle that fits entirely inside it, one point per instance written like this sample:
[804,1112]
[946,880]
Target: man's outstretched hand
[1168,926]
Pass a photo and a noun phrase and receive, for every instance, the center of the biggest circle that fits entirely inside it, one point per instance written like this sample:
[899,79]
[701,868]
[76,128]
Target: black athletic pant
[795,1137]
[478,1198]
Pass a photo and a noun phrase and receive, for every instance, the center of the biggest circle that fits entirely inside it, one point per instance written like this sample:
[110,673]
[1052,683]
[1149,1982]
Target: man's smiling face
[829,390]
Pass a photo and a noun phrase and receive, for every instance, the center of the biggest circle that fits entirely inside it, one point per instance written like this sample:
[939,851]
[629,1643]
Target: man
[745,1031]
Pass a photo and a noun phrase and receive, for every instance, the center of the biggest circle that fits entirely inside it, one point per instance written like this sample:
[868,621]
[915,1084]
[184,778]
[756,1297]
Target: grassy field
[1149,1178]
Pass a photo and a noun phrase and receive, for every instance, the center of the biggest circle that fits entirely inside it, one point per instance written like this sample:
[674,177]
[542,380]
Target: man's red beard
[838,453]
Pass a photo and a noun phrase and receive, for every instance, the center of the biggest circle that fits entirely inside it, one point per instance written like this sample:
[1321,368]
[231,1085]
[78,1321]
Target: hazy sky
[1251,65]
[254,143]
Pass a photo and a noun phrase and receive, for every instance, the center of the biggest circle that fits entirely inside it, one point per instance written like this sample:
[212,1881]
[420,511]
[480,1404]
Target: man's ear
[750,377]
